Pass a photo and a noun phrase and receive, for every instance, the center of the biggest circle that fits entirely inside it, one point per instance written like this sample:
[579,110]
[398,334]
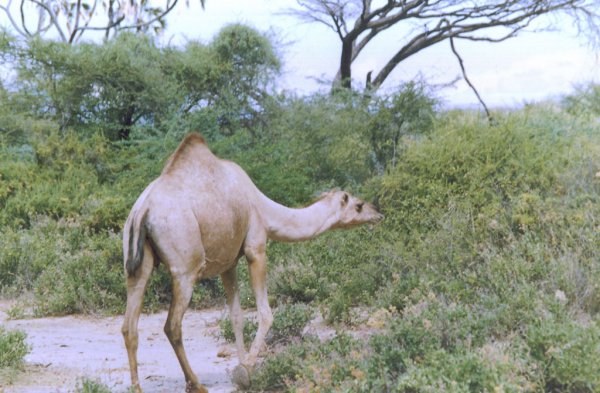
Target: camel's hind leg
[236,316]
[136,285]
[183,286]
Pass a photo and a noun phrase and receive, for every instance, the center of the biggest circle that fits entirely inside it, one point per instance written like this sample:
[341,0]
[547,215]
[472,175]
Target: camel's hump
[192,138]
[189,146]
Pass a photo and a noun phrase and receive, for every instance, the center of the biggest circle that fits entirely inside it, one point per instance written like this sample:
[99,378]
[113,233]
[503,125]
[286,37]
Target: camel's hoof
[195,388]
[241,376]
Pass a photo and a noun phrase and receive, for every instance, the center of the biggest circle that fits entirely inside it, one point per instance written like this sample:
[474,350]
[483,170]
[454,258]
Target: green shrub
[490,235]
[288,323]
[250,328]
[584,101]
[13,348]
[86,385]
[341,269]
[567,355]
[88,280]
[280,370]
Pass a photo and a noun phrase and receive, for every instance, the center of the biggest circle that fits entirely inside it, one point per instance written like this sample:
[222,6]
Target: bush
[288,323]
[250,328]
[489,245]
[13,348]
[86,385]
[340,269]
[87,280]
[567,355]
[280,370]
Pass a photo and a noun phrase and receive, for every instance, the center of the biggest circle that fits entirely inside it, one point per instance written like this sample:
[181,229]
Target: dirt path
[66,349]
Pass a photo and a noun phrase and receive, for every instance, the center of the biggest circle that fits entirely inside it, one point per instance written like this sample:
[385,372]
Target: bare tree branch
[72,18]
[471,85]
[14,24]
[76,24]
[53,17]
[117,23]
[22,12]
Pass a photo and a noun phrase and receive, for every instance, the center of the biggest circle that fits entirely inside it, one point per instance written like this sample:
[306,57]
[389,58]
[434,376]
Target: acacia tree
[128,82]
[71,19]
[357,22]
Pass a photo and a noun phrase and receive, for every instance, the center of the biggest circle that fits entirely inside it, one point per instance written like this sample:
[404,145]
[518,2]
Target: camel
[199,217]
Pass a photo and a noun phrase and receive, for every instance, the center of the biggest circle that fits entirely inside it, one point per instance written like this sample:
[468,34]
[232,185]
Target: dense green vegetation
[484,276]
[12,348]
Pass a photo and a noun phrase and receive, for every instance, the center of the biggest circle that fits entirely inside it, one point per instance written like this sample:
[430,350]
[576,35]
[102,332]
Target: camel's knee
[125,330]
[266,319]
[130,336]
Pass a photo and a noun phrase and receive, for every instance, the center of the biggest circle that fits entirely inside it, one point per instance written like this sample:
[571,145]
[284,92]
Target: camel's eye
[359,207]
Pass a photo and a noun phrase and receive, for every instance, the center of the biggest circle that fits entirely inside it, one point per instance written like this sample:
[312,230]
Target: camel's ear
[345,199]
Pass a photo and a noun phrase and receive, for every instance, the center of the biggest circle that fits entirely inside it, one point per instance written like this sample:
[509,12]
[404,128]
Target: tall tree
[128,81]
[71,19]
[357,22]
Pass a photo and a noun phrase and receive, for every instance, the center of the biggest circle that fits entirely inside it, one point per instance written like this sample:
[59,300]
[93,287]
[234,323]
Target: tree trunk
[346,63]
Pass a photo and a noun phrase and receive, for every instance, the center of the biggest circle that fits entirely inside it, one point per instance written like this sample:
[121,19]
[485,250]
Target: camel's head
[354,211]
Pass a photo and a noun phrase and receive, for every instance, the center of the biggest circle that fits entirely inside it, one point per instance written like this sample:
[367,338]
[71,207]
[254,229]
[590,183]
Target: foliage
[249,331]
[488,246]
[86,385]
[440,347]
[288,323]
[12,348]
[129,82]
[585,100]
[347,138]
[277,370]
[567,353]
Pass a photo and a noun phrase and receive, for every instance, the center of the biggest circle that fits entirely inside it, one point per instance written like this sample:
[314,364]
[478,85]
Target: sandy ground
[66,349]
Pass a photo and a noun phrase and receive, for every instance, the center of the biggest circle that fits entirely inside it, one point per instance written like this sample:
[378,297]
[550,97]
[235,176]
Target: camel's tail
[135,228]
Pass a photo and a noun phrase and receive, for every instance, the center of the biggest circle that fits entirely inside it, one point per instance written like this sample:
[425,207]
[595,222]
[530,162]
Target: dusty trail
[66,349]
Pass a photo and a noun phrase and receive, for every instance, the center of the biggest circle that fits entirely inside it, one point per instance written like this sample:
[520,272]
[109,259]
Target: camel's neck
[293,225]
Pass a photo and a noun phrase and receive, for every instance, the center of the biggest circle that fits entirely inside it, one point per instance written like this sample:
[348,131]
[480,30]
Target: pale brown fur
[198,218]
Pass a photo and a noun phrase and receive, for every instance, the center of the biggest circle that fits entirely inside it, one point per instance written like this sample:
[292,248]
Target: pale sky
[531,67]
